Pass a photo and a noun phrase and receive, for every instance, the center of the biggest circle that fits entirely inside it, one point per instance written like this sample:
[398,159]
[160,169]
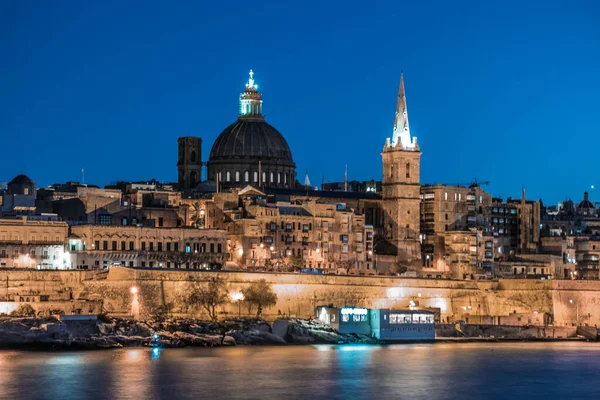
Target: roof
[292,210]
[251,138]
[20,179]
[324,194]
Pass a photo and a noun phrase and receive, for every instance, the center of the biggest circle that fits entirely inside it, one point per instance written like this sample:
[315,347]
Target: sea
[515,370]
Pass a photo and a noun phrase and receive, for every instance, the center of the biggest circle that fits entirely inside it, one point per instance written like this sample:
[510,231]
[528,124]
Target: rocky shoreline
[48,334]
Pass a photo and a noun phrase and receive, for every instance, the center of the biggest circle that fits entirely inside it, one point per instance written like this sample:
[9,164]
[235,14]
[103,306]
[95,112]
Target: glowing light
[240,252]
[236,296]
[262,245]
[318,250]
[134,290]
[419,294]
[354,311]
[202,212]
[272,248]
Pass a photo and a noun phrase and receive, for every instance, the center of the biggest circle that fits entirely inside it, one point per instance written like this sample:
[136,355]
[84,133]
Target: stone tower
[189,162]
[401,159]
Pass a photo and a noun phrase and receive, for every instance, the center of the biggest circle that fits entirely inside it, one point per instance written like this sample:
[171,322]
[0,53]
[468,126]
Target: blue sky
[501,91]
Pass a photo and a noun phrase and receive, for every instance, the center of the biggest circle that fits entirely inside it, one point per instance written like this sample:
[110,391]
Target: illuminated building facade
[33,244]
[401,185]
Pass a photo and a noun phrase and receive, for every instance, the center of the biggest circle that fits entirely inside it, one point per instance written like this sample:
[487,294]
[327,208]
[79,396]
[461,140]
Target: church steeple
[251,100]
[401,134]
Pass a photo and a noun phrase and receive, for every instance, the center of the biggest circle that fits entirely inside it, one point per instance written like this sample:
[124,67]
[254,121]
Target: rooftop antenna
[346,179]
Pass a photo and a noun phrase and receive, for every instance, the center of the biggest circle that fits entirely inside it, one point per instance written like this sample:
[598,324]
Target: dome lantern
[251,100]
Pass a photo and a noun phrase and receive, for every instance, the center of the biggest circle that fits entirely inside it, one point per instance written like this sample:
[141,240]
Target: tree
[208,295]
[24,310]
[261,295]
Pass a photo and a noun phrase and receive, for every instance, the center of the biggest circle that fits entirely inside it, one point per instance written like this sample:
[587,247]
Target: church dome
[250,151]
[251,138]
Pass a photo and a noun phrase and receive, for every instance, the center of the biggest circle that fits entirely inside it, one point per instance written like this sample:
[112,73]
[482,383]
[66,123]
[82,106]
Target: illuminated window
[228,176]
[279,177]
[255,176]
[246,176]
[237,176]
[446,196]
[264,177]
[272,177]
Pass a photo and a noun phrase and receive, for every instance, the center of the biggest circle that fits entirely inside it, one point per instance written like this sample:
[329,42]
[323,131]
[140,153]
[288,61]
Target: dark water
[435,371]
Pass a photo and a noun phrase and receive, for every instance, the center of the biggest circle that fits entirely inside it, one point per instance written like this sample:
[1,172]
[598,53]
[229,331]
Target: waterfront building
[103,246]
[26,243]
[382,324]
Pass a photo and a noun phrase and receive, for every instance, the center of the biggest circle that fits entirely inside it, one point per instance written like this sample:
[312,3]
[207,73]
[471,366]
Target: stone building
[305,234]
[100,246]
[19,197]
[401,185]
[33,244]
[189,162]
[250,151]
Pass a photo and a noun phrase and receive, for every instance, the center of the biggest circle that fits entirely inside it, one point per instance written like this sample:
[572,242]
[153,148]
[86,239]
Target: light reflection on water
[433,371]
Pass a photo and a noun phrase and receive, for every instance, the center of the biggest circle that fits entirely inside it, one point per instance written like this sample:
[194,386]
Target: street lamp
[238,297]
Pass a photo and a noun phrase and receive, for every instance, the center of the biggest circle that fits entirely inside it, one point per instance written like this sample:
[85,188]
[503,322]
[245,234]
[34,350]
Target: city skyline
[117,108]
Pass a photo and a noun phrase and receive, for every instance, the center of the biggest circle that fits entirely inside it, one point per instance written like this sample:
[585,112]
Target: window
[279,177]
[168,246]
[246,176]
[123,245]
[160,221]
[143,246]
[105,219]
[131,246]
[219,248]
[227,176]
[97,245]
[272,177]
[446,196]
[264,177]
[237,176]
[26,191]
[255,176]
[188,248]
[212,247]
[159,244]
[391,171]
[408,170]
[193,156]
[105,245]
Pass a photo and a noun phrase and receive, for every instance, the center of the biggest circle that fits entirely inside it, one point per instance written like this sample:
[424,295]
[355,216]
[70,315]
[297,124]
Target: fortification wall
[298,294]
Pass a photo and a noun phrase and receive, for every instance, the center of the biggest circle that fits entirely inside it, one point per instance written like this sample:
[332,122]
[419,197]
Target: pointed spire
[306,180]
[401,133]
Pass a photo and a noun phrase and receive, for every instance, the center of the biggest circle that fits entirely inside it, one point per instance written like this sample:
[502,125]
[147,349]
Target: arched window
[246,176]
[279,177]
[285,179]
[193,156]
[255,176]
[408,170]
[272,175]
[228,176]
[237,176]
[193,178]
[264,177]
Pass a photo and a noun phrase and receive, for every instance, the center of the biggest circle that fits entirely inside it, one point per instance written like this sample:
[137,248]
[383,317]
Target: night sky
[502,91]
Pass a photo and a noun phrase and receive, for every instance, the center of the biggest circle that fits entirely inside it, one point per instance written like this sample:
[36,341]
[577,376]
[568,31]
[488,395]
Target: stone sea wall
[298,294]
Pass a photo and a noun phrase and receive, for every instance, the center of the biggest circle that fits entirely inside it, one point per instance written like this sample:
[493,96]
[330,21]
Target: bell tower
[189,162]
[401,158]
